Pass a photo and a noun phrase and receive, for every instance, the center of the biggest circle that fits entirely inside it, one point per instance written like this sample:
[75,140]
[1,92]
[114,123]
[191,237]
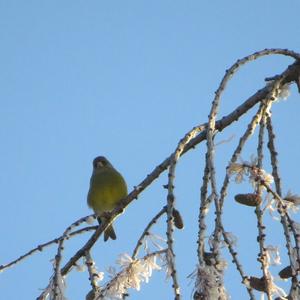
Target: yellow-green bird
[107,188]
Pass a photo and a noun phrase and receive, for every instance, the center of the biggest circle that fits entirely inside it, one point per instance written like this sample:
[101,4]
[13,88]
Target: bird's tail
[109,233]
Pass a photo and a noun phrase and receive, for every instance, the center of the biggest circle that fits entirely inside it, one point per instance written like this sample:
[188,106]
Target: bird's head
[100,162]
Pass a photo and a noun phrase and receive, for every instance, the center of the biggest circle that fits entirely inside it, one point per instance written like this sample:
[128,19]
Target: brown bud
[248,199]
[178,222]
[285,273]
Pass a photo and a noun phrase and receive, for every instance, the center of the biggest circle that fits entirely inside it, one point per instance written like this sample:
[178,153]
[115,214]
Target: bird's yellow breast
[107,188]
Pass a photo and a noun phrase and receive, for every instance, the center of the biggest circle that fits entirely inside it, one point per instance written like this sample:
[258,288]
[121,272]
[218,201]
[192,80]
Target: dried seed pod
[248,199]
[285,273]
[178,222]
[258,284]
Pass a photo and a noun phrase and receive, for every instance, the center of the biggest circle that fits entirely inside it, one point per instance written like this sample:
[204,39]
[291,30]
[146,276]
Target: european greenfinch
[107,188]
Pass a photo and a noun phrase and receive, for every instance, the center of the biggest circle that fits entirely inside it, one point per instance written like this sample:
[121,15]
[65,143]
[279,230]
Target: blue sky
[127,79]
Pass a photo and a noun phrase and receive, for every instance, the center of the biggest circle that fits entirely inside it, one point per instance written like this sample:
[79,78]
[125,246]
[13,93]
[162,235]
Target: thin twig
[170,205]
[93,274]
[283,217]
[236,261]
[146,231]
[41,247]
[258,211]
[58,257]
[250,129]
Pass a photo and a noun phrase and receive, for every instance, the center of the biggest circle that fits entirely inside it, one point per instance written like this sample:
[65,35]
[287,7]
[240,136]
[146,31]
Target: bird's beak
[100,164]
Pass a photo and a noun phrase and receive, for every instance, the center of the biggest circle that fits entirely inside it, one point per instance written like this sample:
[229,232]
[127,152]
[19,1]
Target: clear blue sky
[127,79]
